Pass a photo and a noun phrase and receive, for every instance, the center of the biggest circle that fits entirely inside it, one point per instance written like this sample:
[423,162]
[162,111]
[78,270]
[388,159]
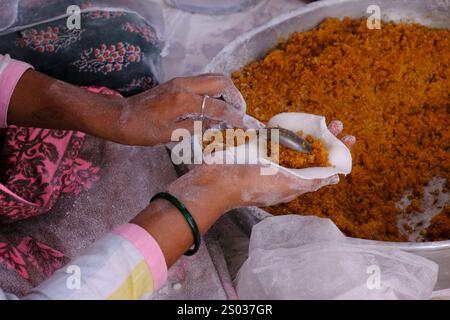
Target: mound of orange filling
[318,157]
[391,89]
[286,157]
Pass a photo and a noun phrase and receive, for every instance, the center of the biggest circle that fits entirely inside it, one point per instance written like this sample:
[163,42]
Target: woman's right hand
[209,191]
[220,188]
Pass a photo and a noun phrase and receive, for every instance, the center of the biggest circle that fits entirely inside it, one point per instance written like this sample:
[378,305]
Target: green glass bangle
[187,215]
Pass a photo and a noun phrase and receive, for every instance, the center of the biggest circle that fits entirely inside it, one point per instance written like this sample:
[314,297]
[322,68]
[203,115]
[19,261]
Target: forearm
[43,102]
[170,229]
[132,260]
[124,264]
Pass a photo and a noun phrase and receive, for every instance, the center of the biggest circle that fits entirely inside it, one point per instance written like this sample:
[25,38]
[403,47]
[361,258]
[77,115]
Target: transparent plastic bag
[297,257]
[16,15]
[8,13]
[134,17]
[212,7]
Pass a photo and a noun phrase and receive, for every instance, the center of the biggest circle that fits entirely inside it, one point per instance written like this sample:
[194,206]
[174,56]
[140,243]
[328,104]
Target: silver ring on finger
[202,114]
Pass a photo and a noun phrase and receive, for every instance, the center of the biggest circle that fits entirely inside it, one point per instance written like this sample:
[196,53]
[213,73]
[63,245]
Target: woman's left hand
[146,119]
[150,117]
[208,191]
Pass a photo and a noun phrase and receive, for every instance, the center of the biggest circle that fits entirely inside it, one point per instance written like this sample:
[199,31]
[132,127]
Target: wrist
[207,188]
[102,116]
[168,225]
[43,102]
[204,206]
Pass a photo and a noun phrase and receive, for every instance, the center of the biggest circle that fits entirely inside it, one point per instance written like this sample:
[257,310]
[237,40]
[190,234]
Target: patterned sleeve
[126,264]
[10,73]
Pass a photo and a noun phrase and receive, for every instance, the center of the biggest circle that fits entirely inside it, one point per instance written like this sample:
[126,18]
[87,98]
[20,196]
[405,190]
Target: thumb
[319,183]
[311,185]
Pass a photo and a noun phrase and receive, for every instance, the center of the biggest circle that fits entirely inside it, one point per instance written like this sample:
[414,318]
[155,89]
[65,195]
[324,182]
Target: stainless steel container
[255,44]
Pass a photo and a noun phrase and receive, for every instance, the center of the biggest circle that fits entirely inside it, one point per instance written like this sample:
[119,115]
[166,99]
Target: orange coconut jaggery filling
[286,157]
[391,89]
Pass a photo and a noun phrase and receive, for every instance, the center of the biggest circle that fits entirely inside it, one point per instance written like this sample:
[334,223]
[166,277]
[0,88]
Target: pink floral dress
[58,189]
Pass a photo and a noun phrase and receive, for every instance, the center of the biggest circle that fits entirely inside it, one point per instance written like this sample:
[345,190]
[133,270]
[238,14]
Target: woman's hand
[150,117]
[145,119]
[209,191]
[224,187]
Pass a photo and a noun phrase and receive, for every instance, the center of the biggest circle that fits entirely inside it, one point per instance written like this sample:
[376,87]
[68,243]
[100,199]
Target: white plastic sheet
[297,257]
[16,15]
[339,155]
[212,7]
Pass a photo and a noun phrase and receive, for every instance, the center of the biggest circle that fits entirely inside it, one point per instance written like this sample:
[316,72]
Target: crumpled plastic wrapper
[299,257]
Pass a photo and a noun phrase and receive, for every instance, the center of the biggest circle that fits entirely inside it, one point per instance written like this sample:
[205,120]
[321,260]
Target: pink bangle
[10,73]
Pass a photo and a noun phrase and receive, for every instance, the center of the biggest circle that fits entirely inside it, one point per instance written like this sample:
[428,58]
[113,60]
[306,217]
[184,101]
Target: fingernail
[349,140]
[336,127]
[235,98]
[333,180]
[252,123]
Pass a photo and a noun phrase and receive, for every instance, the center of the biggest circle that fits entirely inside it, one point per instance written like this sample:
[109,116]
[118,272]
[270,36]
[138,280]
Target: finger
[252,123]
[248,122]
[204,84]
[349,141]
[336,127]
[215,124]
[213,85]
[307,184]
[216,110]
[315,184]
[186,124]
[222,111]
[329,181]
